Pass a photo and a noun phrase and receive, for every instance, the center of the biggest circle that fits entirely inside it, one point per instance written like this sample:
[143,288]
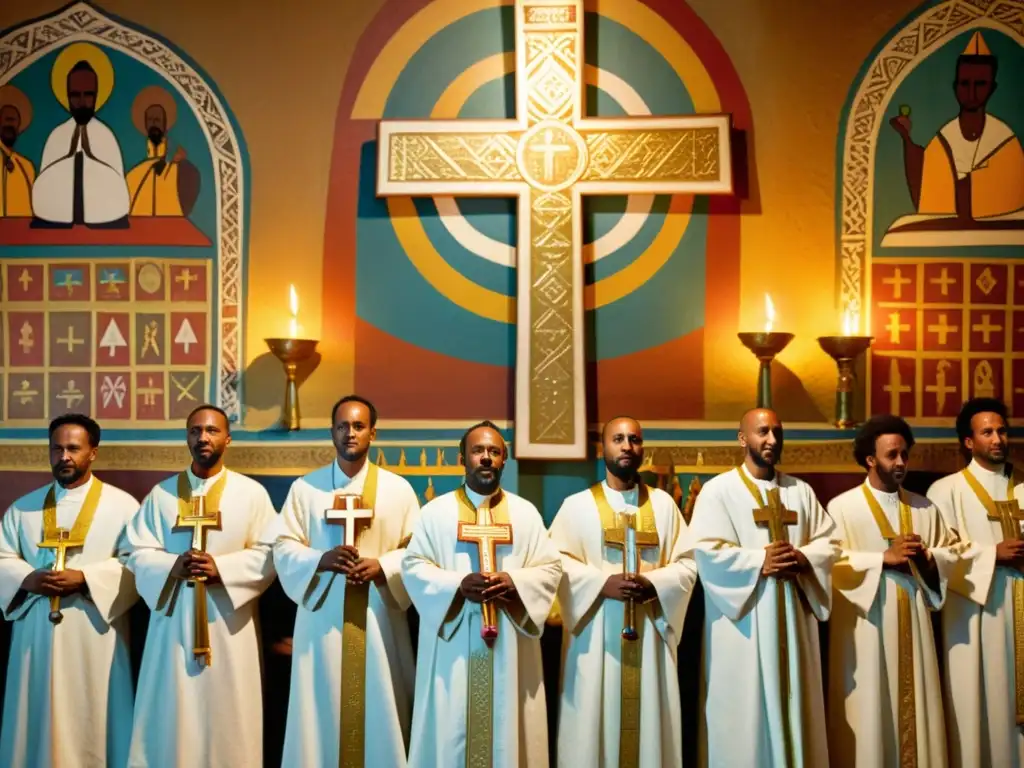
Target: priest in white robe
[351,603]
[767,583]
[190,708]
[620,687]
[984,676]
[884,691]
[482,604]
[68,700]
[81,177]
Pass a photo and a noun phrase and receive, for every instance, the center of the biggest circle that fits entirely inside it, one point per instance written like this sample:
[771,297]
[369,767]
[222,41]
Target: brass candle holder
[845,350]
[291,352]
[765,345]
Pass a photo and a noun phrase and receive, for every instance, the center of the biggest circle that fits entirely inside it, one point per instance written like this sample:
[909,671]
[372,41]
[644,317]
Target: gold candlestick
[845,350]
[291,352]
[765,345]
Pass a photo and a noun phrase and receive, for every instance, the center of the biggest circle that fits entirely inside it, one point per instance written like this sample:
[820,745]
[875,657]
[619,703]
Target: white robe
[69,687]
[977,630]
[864,724]
[742,723]
[186,714]
[314,705]
[105,191]
[589,711]
[433,568]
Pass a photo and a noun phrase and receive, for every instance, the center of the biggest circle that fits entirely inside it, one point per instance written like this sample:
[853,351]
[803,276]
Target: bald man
[622,609]
[482,573]
[764,549]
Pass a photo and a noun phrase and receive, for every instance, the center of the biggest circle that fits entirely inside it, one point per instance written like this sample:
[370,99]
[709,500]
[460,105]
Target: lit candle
[293,303]
[769,313]
[851,322]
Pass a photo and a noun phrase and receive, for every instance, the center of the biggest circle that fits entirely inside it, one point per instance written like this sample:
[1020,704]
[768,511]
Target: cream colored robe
[314,705]
[433,568]
[590,712]
[742,723]
[186,714]
[69,687]
[977,630]
[864,725]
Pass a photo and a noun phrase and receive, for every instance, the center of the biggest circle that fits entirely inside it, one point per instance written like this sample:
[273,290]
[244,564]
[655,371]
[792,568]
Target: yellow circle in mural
[96,58]
[150,278]
[551,156]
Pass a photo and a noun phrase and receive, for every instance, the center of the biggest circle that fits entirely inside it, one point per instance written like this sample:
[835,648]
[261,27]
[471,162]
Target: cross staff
[1008,515]
[61,543]
[200,520]
[631,542]
[775,516]
[486,536]
[348,511]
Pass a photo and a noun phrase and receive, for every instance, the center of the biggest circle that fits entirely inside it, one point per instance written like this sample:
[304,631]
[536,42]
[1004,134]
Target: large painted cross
[549,157]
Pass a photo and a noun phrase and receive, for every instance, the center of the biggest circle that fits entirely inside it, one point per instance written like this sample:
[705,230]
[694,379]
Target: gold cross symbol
[25,394]
[185,390]
[70,283]
[895,387]
[986,327]
[775,517]
[895,328]
[897,281]
[25,340]
[71,395]
[549,149]
[70,340]
[186,278]
[25,279]
[149,392]
[942,328]
[943,281]
[940,389]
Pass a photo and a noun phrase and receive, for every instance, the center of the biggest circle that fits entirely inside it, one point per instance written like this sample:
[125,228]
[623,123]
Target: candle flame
[769,313]
[851,322]
[293,305]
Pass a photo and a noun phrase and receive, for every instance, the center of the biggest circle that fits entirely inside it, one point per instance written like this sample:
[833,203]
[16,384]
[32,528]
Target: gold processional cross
[487,535]
[61,543]
[549,157]
[200,520]
[631,542]
[1009,516]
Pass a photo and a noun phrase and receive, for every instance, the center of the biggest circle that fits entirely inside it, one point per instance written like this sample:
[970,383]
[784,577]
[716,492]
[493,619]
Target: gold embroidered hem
[907,703]
[1008,515]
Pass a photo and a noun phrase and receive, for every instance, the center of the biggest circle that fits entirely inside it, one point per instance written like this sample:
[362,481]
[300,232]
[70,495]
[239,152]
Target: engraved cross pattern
[775,516]
[1009,516]
[200,520]
[549,157]
[616,539]
[348,510]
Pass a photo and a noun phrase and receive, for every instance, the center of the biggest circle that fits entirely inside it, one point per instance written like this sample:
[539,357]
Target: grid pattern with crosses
[945,330]
[127,341]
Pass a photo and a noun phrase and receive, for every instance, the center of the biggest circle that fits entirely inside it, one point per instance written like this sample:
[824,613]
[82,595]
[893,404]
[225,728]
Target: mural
[436,291]
[122,226]
[932,210]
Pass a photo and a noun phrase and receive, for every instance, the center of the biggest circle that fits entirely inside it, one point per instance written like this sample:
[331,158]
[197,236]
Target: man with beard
[352,661]
[81,176]
[885,696]
[159,186]
[982,618]
[16,171]
[200,698]
[764,549]
[69,682]
[482,573]
[622,609]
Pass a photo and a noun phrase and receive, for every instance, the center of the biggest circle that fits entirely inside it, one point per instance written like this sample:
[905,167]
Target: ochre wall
[281,67]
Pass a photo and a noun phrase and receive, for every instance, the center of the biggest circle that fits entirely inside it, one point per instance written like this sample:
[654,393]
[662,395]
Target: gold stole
[907,704]
[201,635]
[632,655]
[780,600]
[352,732]
[479,701]
[1011,530]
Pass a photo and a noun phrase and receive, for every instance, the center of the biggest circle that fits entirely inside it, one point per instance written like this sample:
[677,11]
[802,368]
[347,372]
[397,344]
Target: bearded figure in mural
[970,176]
[81,176]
